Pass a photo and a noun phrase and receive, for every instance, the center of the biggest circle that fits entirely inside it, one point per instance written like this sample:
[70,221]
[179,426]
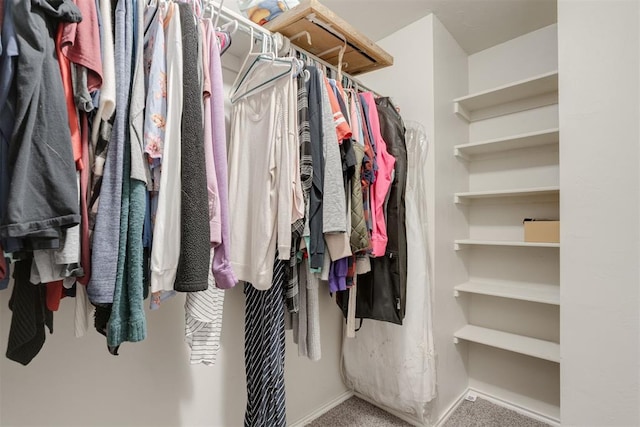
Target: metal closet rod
[245,25]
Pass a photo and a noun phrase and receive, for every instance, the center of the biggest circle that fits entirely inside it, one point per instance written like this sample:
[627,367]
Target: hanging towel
[193,267]
[30,316]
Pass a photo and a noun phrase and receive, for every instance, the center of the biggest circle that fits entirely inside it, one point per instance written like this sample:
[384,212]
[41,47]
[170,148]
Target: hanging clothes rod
[246,25]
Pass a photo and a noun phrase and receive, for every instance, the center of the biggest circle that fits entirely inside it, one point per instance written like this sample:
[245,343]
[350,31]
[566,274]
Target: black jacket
[382,292]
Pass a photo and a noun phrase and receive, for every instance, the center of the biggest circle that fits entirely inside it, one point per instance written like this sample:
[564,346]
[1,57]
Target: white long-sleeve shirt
[263,181]
[165,253]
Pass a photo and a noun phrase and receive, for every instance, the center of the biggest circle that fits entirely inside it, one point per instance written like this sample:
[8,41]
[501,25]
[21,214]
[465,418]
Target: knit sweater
[193,267]
[127,321]
[106,243]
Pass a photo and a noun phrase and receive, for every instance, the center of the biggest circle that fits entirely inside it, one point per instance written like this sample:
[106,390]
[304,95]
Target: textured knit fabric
[264,354]
[29,318]
[127,321]
[42,196]
[203,310]
[222,271]
[106,242]
[193,268]
[316,238]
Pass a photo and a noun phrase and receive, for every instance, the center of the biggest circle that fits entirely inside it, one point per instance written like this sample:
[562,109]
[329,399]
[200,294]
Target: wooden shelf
[521,192]
[533,347]
[458,244]
[326,28]
[534,292]
[522,95]
[533,139]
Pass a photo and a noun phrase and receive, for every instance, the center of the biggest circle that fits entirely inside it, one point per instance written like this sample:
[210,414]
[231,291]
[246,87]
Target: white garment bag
[394,365]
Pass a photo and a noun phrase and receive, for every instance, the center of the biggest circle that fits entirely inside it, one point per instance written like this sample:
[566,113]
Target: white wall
[409,83]
[521,380]
[517,59]
[76,382]
[599,152]
[450,81]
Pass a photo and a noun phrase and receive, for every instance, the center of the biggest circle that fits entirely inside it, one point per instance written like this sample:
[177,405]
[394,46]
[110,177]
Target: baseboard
[443,419]
[516,408]
[323,409]
[393,412]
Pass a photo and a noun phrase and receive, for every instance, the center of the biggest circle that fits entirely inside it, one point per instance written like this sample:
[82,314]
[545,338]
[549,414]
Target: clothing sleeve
[284,182]
[343,131]
[222,271]
[298,207]
[334,206]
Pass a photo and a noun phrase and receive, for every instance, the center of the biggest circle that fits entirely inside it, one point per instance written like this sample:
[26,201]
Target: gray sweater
[106,235]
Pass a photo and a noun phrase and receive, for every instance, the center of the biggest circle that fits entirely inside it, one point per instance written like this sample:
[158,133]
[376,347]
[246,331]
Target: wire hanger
[242,86]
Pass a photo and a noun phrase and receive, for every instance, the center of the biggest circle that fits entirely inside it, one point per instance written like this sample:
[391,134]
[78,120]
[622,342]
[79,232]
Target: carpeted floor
[481,413]
[356,412]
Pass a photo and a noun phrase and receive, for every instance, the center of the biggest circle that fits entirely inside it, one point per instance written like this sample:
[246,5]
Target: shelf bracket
[457,246]
[456,340]
[461,111]
[456,293]
[459,154]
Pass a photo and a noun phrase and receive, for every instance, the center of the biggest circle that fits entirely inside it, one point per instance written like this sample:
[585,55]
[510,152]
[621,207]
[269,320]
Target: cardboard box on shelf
[541,230]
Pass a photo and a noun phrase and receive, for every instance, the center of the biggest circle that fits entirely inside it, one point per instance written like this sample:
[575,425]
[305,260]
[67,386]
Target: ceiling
[475,24]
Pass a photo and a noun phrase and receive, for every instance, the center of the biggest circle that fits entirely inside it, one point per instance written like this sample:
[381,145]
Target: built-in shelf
[516,142]
[522,95]
[520,192]
[459,244]
[534,292]
[327,35]
[534,347]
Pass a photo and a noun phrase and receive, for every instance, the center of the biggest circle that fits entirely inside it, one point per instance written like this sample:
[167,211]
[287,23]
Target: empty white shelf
[534,292]
[533,139]
[520,192]
[458,244]
[542,84]
[534,347]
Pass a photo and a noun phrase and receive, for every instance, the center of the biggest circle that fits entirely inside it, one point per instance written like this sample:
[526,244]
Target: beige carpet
[356,412]
[481,413]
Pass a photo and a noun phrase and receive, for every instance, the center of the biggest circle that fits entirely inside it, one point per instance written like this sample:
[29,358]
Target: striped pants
[264,353]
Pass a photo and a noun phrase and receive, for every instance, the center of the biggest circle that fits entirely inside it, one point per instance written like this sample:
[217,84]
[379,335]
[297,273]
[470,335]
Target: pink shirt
[382,184]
